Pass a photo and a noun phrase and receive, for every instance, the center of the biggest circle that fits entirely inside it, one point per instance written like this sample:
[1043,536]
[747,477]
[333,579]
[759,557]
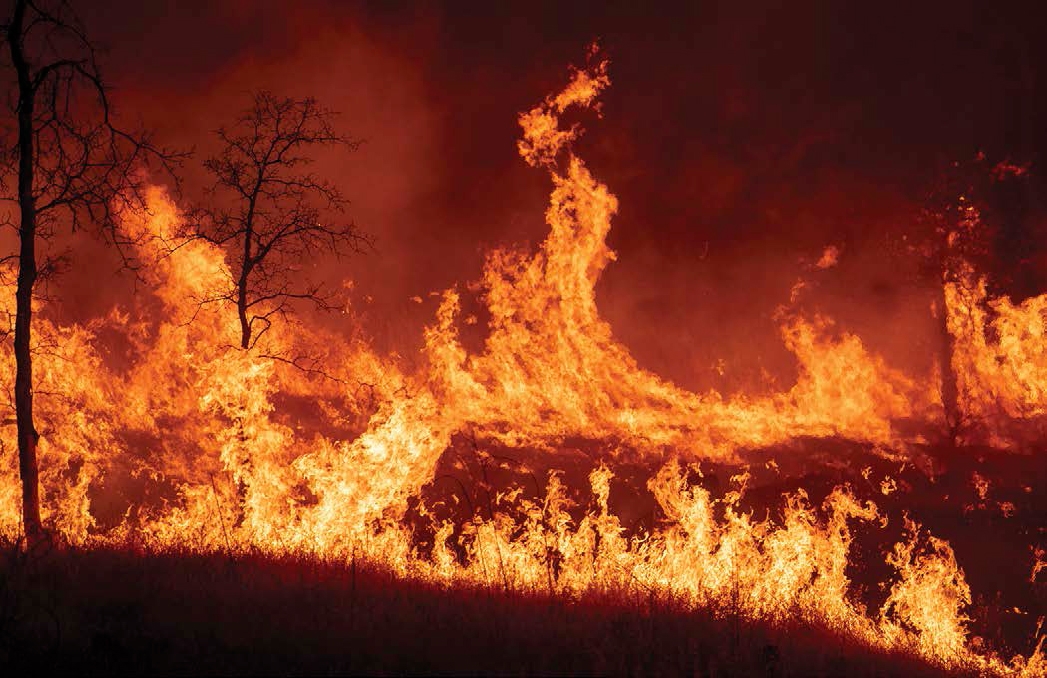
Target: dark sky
[740,137]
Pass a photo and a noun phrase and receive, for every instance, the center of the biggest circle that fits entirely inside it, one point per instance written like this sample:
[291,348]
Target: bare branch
[271,213]
[74,165]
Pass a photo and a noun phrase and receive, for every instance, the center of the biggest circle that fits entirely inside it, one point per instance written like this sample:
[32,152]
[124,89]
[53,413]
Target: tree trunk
[241,309]
[27,435]
[241,297]
[949,386]
[246,265]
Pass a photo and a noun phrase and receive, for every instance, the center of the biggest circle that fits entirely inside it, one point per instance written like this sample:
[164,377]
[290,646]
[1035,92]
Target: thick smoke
[740,141]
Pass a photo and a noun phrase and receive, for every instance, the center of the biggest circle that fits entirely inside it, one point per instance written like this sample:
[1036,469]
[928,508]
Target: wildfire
[224,448]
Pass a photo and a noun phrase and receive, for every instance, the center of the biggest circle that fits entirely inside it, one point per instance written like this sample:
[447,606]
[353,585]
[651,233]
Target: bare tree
[979,214]
[271,212]
[72,164]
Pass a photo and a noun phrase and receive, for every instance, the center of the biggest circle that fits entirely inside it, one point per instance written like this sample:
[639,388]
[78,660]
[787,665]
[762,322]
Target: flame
[208,427]
[1000,358]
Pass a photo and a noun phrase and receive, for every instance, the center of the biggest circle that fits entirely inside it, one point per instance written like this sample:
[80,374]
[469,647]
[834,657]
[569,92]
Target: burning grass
[541,505]
[130,608]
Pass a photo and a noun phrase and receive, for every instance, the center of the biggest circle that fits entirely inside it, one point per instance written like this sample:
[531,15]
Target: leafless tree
[978,216]
[71,164]
[271,212]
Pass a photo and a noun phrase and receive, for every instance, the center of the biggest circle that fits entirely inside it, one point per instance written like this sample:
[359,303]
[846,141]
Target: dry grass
[117,612]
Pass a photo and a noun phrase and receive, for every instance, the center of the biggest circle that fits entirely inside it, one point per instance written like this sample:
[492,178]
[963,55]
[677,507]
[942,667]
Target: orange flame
[208,425]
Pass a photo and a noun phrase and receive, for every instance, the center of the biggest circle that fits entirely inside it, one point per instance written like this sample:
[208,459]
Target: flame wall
[191,442]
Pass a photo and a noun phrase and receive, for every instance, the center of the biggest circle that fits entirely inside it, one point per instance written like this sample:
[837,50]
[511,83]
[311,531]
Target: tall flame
[224,448]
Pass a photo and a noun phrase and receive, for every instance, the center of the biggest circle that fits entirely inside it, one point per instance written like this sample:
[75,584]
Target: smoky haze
[740,141]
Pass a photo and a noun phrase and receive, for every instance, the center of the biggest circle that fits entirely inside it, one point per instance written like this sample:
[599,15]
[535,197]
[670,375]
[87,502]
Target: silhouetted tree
[271,213]
[943,252]
[984,216]
[71,164]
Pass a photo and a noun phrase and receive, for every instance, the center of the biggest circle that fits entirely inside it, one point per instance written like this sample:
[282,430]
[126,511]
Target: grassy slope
[108,611]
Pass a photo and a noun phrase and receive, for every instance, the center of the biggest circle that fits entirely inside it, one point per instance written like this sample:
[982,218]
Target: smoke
[741,142]
[732,201]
